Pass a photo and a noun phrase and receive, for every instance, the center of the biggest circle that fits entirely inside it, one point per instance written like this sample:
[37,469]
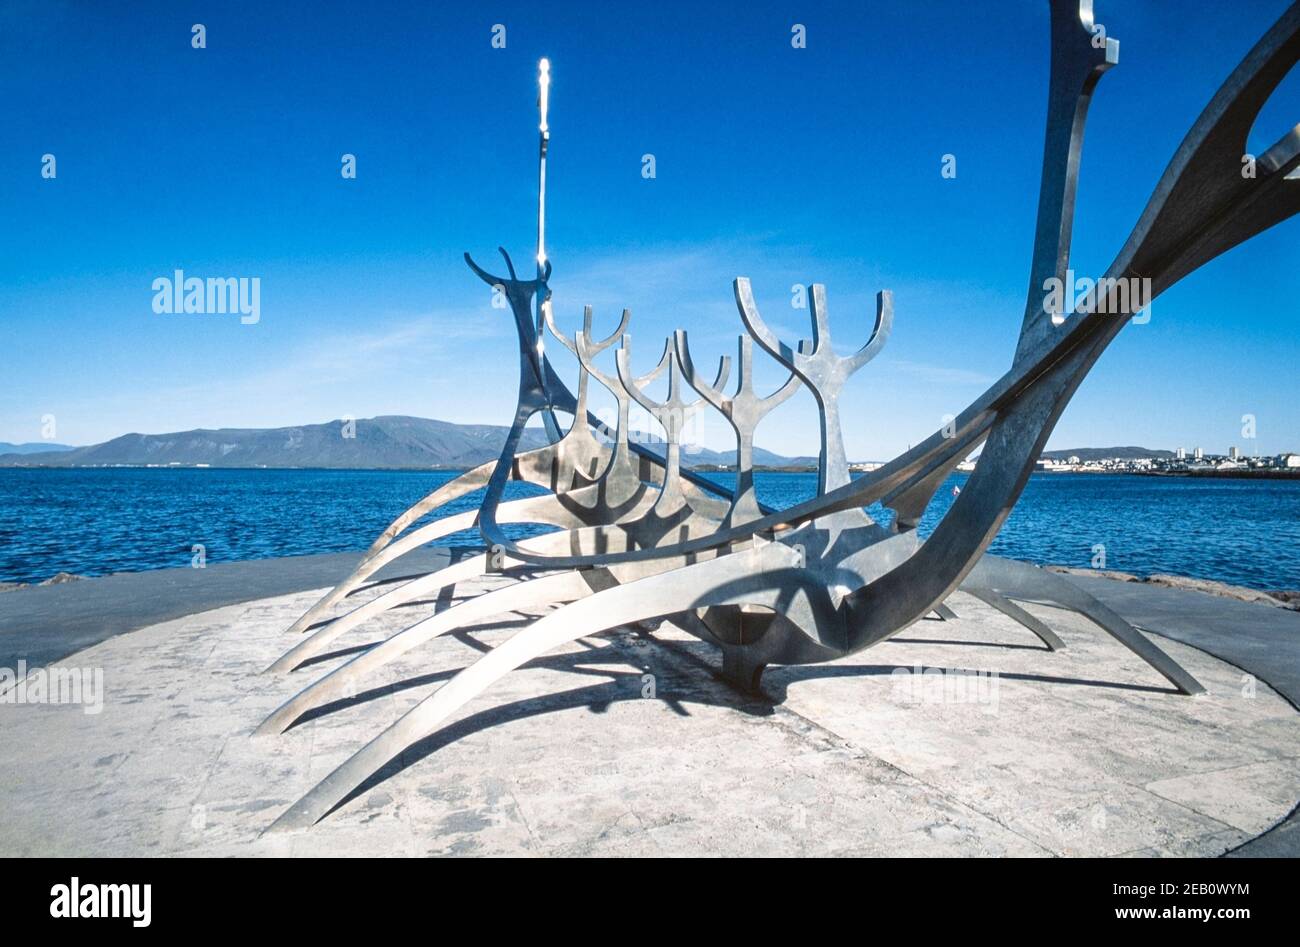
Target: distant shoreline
[1212,474]
[1289,473]
[1273,473]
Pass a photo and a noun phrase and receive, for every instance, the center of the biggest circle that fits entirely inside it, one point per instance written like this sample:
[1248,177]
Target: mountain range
[391,441]
[383,442]
[32,447]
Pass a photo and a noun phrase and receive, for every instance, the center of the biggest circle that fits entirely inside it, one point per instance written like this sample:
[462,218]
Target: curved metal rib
[534,593]
[555,511]
[465,484]
[1025,581]
[558,467]
[462,485]
[426,585]
[541,592]
[620,605]
[1016,613]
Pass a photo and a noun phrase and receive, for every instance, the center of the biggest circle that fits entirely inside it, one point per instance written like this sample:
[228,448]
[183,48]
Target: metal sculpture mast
[543,298]
[544,137]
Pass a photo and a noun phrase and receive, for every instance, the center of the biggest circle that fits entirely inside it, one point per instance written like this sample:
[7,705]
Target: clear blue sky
[785,165]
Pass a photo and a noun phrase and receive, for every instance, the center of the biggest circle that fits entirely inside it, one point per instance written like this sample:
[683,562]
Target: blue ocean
[97,521]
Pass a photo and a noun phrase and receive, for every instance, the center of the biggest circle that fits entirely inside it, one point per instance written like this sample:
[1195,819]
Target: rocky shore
[1280,598]
[59,578]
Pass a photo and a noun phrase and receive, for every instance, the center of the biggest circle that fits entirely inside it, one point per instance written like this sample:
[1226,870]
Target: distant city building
[1183,463]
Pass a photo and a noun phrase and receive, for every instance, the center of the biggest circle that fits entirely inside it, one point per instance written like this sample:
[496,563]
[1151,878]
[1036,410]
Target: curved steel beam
[548,509]
[465,484]
[1016,613]
[616,606]
[1024,581]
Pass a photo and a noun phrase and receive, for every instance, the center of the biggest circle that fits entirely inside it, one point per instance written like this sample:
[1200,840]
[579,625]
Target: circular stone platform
[628,743]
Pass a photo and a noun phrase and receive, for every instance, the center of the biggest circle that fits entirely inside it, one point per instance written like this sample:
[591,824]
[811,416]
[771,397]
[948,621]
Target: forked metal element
[821,579]
[672,415]
[743,411]
[820,368]
[577,460]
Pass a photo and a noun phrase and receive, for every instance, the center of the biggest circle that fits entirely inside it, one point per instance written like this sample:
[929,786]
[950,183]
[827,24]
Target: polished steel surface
[642,539]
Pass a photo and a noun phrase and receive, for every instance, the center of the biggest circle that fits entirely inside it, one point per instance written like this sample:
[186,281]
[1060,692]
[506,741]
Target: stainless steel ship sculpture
[638,538]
